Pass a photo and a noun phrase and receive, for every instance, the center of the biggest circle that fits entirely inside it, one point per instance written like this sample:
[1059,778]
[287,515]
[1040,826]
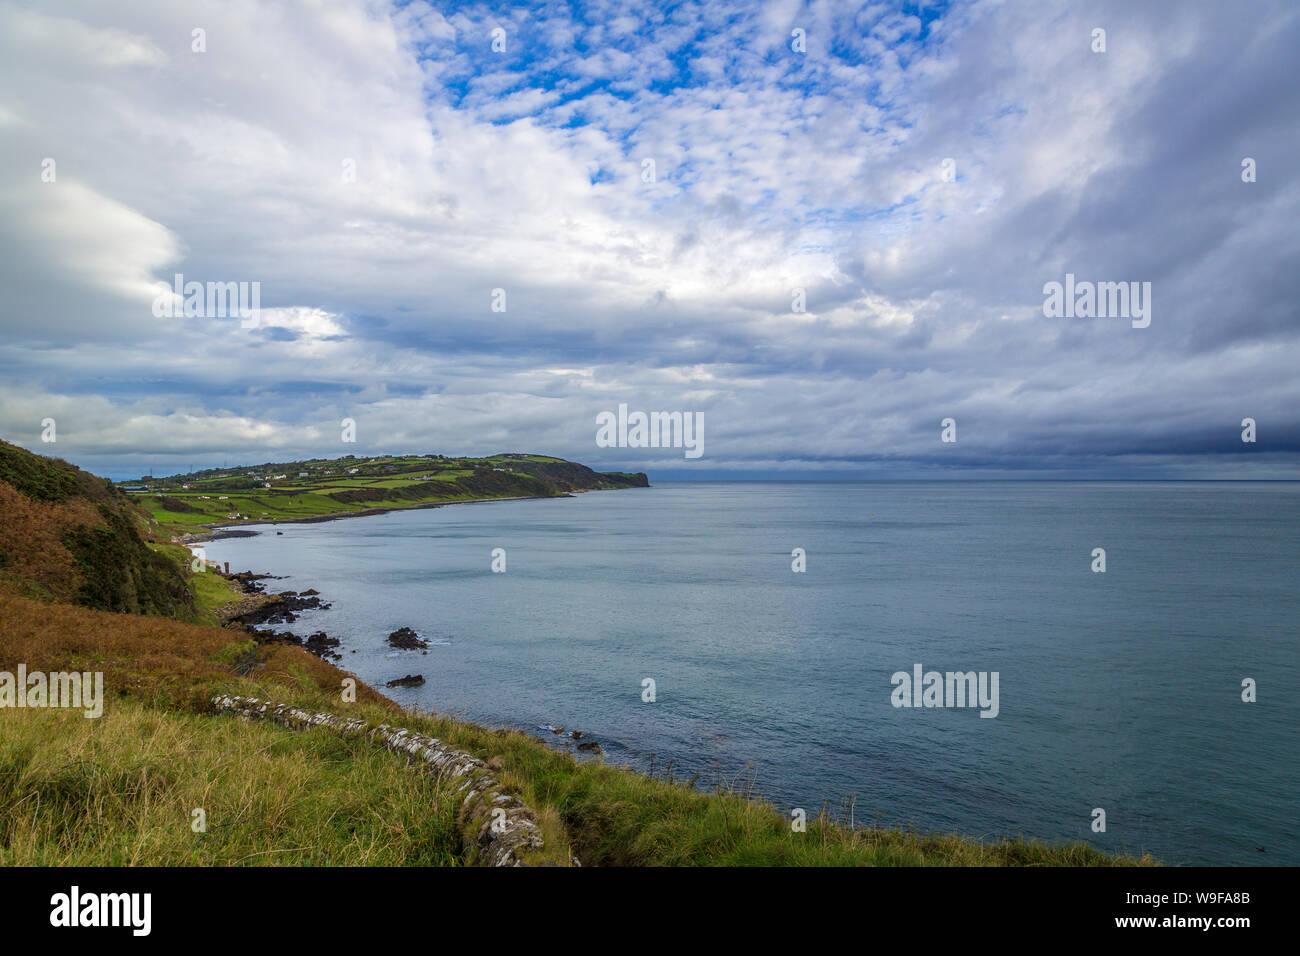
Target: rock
[320,644]
[511,836]
[576,735]
[406,639]
[232,614]
[410,680]
[310,592]
[557,730]
[280,608]
[250,582]
[590,746]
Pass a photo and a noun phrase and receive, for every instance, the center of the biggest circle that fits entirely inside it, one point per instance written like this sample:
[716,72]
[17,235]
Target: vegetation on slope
[123,791]
[69,536]
[319,488]
[605,815]
[122,788]
[38,477]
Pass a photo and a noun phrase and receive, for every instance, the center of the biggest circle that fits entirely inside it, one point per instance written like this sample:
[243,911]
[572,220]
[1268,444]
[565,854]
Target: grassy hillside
[69,536]
[306,490]
[122,789]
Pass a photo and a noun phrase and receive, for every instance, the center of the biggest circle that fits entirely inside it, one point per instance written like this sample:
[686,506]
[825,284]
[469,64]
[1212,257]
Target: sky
[476,227]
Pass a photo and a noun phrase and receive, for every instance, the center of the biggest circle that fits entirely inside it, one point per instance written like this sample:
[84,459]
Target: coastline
[166,659]
[613,747]
[215,532]
[253,602]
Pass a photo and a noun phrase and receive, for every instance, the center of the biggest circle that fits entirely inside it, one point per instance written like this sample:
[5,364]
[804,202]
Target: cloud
[381,172]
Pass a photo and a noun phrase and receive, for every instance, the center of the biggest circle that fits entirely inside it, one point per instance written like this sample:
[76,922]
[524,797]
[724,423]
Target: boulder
[410,680]
[406,639]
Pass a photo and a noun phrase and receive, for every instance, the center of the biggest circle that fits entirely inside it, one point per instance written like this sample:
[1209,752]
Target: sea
[755,635]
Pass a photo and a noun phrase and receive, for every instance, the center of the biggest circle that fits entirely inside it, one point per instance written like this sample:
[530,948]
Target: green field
[294,491]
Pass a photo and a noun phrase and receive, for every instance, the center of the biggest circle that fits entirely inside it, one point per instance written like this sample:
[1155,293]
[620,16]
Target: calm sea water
[1119,690]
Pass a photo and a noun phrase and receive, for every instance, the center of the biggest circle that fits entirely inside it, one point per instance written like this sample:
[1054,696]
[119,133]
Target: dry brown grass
[31,538]
[150,658]
[160,675]
[611,816]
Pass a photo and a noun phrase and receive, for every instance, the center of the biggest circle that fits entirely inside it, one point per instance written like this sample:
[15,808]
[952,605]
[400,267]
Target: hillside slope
[122,789]
[324,488]
[66,535]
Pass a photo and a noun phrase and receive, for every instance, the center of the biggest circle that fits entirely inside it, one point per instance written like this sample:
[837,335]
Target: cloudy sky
[648,184]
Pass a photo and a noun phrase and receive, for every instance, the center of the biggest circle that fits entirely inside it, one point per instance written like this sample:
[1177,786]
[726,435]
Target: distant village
[265,475]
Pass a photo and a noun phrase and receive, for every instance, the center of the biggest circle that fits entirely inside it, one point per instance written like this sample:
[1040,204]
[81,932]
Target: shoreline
[252,600]
[215,532]
[581,745]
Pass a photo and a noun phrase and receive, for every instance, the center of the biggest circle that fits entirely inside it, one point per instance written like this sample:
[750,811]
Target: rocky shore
[217,531]
[257,610]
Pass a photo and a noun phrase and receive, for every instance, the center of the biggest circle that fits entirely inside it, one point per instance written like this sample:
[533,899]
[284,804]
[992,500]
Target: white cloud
[474,171]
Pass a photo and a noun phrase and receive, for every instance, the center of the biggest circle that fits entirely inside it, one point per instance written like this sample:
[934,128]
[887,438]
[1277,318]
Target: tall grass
[122,790]
[70,792]
[618,817]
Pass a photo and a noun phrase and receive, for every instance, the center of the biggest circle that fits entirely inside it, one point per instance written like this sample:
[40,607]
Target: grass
[84,549]
[607,815]
[38,477]
[187,502]
[209,590]
[617,817]
[122,790]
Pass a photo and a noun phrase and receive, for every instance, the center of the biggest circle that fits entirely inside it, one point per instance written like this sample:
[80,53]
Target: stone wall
[509,837]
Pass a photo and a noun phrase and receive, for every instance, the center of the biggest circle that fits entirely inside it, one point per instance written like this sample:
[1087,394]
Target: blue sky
[524,170]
